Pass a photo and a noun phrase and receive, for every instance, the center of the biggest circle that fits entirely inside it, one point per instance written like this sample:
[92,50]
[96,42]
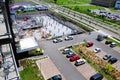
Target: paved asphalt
[65,67]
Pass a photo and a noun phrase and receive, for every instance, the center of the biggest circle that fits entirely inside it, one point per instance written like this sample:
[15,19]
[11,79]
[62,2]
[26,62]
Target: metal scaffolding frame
[11,62]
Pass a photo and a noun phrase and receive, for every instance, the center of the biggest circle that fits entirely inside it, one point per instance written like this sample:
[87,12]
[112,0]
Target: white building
[117,4]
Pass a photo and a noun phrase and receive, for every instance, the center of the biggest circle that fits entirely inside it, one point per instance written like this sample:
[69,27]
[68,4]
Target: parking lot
[46,27]
[109,14]
[83,69]
[101,55]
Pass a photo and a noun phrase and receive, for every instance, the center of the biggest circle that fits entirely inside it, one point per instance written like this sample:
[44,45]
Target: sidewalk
[48,68]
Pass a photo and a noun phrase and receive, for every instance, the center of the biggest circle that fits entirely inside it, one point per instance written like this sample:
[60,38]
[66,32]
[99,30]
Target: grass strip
[30,71]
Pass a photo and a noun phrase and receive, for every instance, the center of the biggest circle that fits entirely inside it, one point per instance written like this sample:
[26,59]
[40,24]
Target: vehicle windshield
[71,53]
[106,55]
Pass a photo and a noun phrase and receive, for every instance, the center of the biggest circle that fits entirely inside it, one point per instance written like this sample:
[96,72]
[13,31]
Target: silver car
[80,62]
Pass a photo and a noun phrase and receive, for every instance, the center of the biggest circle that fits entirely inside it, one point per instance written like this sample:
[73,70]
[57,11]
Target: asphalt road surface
[65,67]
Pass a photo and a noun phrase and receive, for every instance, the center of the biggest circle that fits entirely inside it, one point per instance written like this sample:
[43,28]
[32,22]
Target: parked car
[113,44]
[113,60]
[56,77]
[107,56]
[66,50]
[74,58]
[100,37]
[70,54]
[69,38]
[97,76]
[57,40]
[80,62]
[96,50]
[89,44]
[108,42]
[42,8]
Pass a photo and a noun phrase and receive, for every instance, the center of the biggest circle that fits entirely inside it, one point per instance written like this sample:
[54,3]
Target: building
[106,3]
[117,4]
[8,63]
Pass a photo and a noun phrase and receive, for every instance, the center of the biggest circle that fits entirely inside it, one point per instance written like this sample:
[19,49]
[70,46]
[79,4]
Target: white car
[107,56]
[57,40]
[66,50]
[80,62]
[96,50]
[69,38]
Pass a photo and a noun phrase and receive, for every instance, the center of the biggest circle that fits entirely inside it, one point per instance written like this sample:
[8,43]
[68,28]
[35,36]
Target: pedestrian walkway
[48,68]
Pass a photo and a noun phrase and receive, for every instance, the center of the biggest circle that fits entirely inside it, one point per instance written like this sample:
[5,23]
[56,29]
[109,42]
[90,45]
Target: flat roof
[27,44]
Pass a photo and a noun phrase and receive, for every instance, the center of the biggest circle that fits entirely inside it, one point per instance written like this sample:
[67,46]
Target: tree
[55,1]
[109,68]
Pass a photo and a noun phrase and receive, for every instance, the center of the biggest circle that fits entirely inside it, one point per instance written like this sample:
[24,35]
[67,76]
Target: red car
[74,58]
[89,44]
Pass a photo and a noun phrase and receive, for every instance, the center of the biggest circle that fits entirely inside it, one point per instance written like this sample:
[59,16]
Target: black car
[56,77]
[107,56]
[97,76]
[70,54]
[113,60]
[108,42]
[100,37]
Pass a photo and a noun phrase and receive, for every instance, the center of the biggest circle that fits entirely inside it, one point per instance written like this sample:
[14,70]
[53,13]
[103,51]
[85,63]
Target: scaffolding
[8,55]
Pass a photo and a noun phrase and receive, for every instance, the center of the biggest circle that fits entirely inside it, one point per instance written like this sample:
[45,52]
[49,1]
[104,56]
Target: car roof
[113,43]
[97,75]
[113,58]
[57,76]
[71,52]
[79,60]
[75,56]
[66,49]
